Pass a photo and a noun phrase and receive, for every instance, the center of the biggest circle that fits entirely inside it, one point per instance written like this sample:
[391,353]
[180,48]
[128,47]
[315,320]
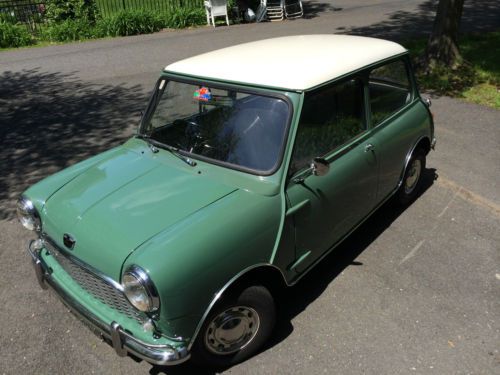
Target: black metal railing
[27,12]
[31,12]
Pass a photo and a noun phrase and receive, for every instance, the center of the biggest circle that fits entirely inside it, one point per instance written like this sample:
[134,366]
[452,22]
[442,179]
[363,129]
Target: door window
[390,90]
[330,117]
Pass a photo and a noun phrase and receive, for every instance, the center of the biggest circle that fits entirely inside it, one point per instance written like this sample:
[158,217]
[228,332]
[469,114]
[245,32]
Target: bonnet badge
[69,241]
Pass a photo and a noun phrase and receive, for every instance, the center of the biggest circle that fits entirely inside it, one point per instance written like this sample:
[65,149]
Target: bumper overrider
[121,341]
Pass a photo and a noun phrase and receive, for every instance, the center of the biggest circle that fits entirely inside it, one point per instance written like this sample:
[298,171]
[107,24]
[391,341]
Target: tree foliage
[62,10]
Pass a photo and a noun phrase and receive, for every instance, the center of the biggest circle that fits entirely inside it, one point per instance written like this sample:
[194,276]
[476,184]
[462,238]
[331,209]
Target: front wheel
[236,328]
[412,180]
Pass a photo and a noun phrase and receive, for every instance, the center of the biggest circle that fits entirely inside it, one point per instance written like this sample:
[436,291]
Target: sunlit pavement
[412,291]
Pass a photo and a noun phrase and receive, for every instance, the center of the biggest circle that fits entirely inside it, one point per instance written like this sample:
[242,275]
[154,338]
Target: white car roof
[292,62]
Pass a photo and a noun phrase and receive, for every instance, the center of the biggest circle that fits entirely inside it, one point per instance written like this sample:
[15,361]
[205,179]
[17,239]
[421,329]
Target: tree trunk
[442,47]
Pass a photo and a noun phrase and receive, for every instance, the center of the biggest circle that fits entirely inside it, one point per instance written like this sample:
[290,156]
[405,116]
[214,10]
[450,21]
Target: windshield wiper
[148,140]
[153,144]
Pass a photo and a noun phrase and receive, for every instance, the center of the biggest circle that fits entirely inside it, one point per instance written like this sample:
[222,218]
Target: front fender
[192,260]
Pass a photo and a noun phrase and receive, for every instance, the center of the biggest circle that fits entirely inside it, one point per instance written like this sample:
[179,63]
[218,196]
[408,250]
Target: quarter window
[330,117]
[389,90]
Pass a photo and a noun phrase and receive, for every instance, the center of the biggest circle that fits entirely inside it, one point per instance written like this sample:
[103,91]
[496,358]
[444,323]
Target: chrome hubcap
[232,330]
[413,176]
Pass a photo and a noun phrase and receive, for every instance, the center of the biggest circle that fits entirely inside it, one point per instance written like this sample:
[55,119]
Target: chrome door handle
[369,147]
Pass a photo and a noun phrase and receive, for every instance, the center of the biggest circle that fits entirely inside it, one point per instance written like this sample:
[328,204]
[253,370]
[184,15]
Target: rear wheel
[412,180]
[236,328]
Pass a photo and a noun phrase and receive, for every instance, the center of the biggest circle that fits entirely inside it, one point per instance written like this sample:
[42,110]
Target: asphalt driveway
[411,291]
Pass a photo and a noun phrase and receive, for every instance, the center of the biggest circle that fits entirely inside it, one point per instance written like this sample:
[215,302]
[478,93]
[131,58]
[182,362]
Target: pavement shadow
[186,368]
[401,25]
[295,300]
[49,121]
[313,9]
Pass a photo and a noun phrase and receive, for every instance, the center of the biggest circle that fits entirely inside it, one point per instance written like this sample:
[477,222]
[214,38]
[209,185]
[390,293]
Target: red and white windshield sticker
[203,94]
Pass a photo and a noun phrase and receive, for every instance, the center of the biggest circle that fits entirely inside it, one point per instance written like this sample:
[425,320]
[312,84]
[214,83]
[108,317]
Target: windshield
[246,130]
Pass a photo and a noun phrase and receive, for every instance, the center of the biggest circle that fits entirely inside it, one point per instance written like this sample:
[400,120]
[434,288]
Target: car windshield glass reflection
[242,129]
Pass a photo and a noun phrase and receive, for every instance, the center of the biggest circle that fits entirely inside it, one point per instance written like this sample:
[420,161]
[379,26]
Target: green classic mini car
[251,163]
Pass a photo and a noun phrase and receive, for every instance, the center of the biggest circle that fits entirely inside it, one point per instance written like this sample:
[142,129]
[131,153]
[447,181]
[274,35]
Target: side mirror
[428,102]
[320,166]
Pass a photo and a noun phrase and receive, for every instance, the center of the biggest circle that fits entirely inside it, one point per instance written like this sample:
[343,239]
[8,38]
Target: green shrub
[14,35]
[68,31]
[129,22]
[183,17]
[62,10]
[63,27]
[144,21]
[7,17]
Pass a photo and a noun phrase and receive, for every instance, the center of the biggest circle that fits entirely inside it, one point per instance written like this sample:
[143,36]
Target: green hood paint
[122,201]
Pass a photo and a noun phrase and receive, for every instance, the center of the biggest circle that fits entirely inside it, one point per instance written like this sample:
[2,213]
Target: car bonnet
[122,201]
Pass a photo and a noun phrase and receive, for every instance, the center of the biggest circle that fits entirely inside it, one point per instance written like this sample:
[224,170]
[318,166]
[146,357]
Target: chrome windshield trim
[268,92]
[158,354]
[53,247]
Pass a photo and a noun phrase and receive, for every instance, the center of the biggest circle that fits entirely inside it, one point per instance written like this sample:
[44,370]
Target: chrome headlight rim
[147,285]
[26,210]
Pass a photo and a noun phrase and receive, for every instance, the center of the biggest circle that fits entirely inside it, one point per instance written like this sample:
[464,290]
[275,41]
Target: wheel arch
[264,274]
[423,143]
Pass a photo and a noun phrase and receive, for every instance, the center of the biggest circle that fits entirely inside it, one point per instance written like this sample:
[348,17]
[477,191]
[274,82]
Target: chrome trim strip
[222,290]
[51,245]
[408,157]
[122,341]
[148,285]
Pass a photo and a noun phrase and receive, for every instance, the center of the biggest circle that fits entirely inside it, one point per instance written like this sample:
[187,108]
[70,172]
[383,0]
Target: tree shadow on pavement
[313,9]
[401,25]
[294,300]
[49,121]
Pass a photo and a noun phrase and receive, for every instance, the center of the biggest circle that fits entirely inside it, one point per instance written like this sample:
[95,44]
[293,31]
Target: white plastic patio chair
[216,8]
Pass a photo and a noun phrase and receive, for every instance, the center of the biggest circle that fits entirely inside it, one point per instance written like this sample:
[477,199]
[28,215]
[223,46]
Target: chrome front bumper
[121,341]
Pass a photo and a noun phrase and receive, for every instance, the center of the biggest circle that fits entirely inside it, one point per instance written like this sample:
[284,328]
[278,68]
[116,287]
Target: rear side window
[330,117]
[390,90]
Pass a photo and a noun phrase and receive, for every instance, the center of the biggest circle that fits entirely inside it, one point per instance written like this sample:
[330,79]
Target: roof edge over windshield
[169,73]
[269,92]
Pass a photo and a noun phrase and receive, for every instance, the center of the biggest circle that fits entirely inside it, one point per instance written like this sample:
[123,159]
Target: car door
[324,208]
[396,118]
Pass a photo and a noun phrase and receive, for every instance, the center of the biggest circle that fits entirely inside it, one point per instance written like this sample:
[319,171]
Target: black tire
[412,183]
[252,299]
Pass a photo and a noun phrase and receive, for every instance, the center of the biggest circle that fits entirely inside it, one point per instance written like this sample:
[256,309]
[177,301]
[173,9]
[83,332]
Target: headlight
[140,290]
[27,214]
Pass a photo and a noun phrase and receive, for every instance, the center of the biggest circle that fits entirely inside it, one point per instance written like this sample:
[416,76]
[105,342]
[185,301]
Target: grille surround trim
[95,283]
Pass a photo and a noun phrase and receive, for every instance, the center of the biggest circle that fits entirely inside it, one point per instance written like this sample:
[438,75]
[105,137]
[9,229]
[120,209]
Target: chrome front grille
[105,290]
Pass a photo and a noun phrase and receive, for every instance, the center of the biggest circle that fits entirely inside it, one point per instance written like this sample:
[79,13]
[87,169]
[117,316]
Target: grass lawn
[478,80]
